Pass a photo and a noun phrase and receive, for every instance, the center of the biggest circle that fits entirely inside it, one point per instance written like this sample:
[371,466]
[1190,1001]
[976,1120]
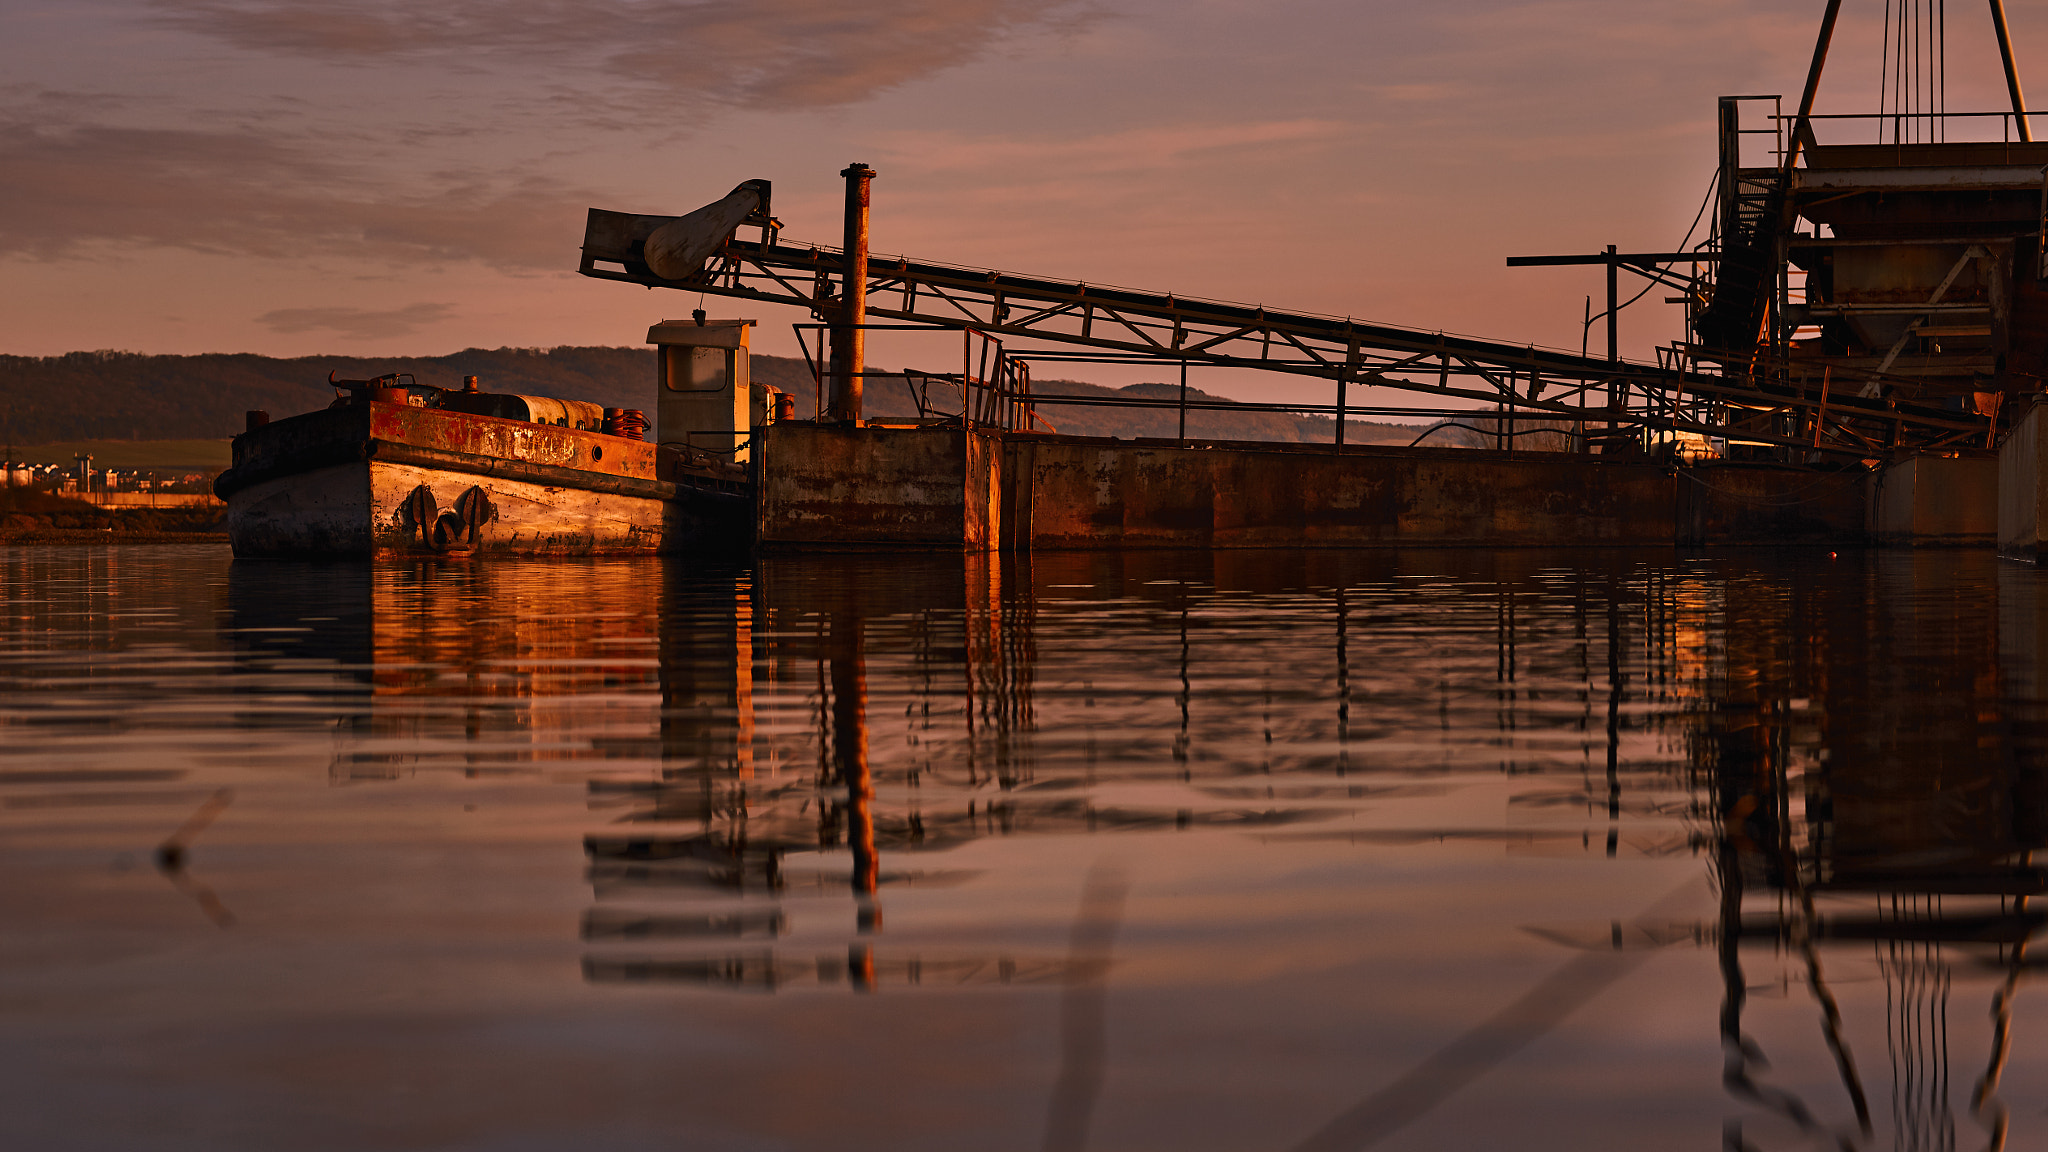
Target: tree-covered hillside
[130,396]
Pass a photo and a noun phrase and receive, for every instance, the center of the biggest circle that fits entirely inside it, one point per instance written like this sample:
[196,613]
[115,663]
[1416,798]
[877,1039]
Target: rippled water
[1571,850]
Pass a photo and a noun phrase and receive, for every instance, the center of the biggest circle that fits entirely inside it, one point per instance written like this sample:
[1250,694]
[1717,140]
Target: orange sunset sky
[382,177]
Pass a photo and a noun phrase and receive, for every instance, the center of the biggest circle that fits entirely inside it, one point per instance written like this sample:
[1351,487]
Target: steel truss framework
[1685,392]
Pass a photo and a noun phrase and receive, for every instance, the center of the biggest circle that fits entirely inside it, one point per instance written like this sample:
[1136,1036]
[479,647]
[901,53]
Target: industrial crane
[1752,371]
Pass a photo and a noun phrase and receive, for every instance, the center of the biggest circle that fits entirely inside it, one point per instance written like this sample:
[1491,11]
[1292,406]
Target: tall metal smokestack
[849,342]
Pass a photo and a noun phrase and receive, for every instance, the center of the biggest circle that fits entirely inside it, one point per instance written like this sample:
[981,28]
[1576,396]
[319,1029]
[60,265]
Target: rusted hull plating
[385,479]
[369,509]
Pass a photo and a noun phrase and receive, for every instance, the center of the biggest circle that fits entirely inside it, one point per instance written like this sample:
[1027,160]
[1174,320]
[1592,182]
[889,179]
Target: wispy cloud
[773,54]
[1146,149]
[361,323]
[70,187]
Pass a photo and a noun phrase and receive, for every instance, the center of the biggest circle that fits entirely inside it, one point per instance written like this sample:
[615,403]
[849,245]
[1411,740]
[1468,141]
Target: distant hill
[131,396]
[892,398]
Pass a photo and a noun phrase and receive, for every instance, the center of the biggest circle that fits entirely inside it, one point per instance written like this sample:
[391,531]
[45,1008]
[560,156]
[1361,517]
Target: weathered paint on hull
[324,512]
[380,478]
[360,509]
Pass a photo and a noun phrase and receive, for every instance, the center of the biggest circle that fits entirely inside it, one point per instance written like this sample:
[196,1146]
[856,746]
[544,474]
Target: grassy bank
[30,516]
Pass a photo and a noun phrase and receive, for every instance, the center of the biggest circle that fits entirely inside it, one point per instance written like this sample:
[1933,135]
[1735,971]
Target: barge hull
[384,479]
[363,509]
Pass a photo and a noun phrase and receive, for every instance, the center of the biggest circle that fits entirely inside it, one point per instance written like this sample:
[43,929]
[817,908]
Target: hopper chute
[673,248]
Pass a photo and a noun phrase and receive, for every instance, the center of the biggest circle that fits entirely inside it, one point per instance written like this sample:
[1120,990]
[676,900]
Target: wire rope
[1912,77]
[1697,217]
[1884,72]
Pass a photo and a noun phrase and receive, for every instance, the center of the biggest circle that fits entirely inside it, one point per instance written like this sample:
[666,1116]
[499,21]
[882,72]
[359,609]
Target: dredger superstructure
[1866,326]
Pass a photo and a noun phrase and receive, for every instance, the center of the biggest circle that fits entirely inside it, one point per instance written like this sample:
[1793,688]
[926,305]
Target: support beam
[1614,388]
[2012,72]
[1803,126]
[1184,406]
[1613,308]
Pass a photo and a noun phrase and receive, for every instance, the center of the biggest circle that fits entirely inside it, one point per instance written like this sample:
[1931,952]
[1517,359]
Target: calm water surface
[1572,850]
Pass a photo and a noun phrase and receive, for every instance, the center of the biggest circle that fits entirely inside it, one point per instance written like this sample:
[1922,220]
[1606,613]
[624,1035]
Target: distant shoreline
[72,537]
[166,455]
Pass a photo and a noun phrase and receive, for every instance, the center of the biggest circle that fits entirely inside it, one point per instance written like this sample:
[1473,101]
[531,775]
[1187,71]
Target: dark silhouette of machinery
[1864,300]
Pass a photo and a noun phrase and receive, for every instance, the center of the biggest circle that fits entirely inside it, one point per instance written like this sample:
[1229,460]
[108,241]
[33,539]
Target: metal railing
[1906,124]
[994,387]
[994,391]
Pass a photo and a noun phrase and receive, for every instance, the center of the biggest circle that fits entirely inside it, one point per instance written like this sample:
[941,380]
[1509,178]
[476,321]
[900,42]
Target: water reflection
[1848,767]
[1539,795]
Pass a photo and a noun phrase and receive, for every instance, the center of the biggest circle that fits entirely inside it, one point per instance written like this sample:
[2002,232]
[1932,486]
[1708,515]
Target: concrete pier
[945,487]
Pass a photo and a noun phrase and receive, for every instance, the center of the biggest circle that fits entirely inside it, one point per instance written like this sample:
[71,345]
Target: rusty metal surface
[825,486]
[1905,274]
[587,451]
[464,441]
[1115,494]
[1912,294]
[945,487]
[579,414]
[829,487]
[367,477]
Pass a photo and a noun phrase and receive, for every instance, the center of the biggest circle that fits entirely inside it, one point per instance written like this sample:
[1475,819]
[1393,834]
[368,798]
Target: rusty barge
[394,467]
